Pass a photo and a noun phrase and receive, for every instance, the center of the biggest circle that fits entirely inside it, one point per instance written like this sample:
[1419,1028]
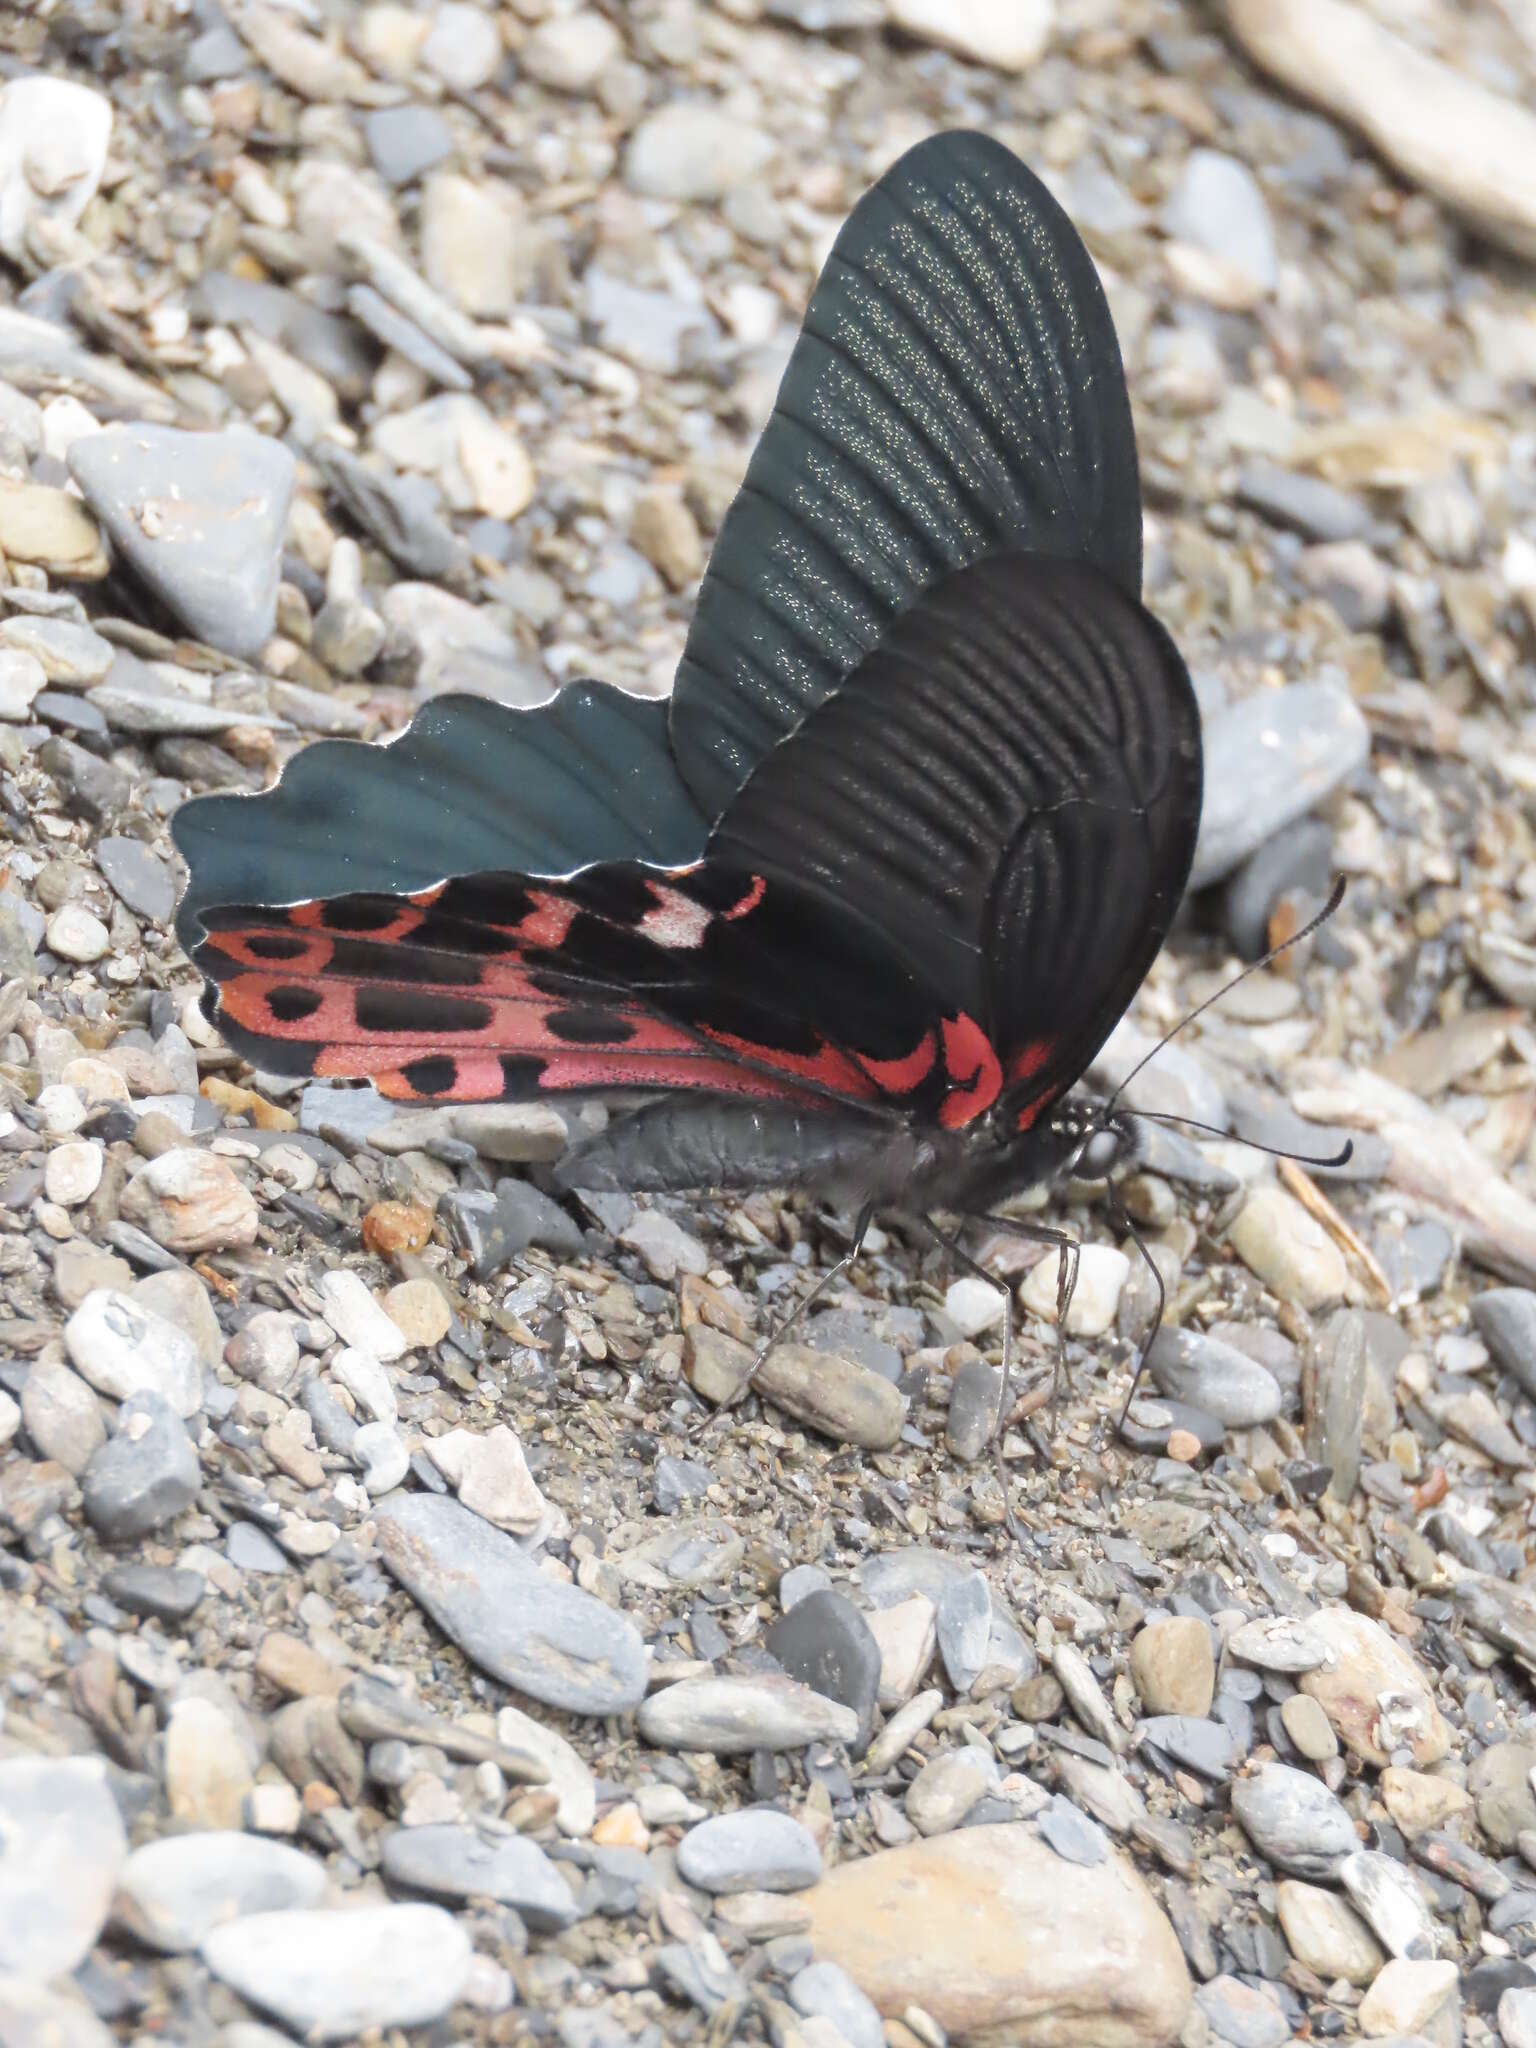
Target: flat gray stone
[1293,1819]
[461,1863]
[758,1850]
[200,517]
[140,877]
[548,1640]
[1268,760]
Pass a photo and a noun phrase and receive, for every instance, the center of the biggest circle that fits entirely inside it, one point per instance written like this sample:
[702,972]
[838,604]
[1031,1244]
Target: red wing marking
[974,1070]
[547,924]
[828,1068]
[749,902]
[901,1077]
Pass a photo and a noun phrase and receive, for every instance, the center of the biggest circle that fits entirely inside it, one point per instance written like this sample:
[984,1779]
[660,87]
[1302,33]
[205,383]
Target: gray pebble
[1213,1376]
[1305,504]
[145,1475]
[758,1850]
[406,140]
[826,1990]
[1295,1820]
[141,878]
[1268,760]
[827,1644]
[965,1629]
[331,1976]
[201,518]
[252,1549]
[1217,206]
[462,1862]
[676,1480]
[162,1592]
[1242,2016]
[800,1581]
[549,1640]
[975,1399]
[1071,1833]
[734,1715]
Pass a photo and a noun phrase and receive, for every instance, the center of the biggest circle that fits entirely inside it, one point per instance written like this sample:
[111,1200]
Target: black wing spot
[293,1005]
[434,1075]
[590,1027]
[419,1012]
[276,945]
[361,913]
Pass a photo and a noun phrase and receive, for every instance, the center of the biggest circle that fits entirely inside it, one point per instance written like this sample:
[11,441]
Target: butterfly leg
[1122,1221]
[828,1280]
[1068,1250]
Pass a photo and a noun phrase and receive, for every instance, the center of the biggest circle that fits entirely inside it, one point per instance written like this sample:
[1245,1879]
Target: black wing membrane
[956,391]
[469,786]
[1008,790]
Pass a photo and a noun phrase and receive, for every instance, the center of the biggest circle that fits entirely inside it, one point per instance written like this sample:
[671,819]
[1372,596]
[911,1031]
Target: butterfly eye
[1099,1155]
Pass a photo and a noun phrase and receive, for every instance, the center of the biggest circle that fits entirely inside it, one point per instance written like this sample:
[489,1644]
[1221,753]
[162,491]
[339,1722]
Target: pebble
[490,1475]
[381,1456]
[975,1401]
[824,1991]
[1213,1377]
[690,150]
[54,137]
[199,516]
[1413,1998]
[171,1894]
[974,1305]
[906,1636]
[569,52]
[946,1789]
[1174,1667]
[22,676]
[837,1396]
[74,933]
[122,1349]
[1294,1820]
[964,1628]
[1243,2015]
[29,2014]
[1418,1801]
[1517,2017]
[72,1173]
[1217,207]
[568,1777]
[1388,1897]
[1500,1782]
[1011,1930]
[463,1862]
[731,1716]
[191,1202]
[1304,504]
[209,1767]
[757,1850]
[664,1245]
[1323,1932]
[1101,1276]
[419,1310]
[1309,1728]
[1277,1643]
[162,1592]
[1505,1319]
[1004,35]
[328,1976]
[1268,761]
[64,1847]
[138,877]
[1288,1249]
[1373,1692]
[548,1640]
[63,1417]
[357,1318]
[463,46]
[827,1644]
[145,1475]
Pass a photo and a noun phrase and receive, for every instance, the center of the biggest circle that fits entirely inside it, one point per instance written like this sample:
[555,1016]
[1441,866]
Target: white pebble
[75,933]
[974,1305]
[1101,1274]
[73,1172]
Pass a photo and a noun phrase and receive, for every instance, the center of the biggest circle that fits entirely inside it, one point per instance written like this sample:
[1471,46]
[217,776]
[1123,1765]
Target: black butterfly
[858,906]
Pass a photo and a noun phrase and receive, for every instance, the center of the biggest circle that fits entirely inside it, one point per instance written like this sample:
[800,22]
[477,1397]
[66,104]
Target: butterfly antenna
[1285,945]
[1168,1116]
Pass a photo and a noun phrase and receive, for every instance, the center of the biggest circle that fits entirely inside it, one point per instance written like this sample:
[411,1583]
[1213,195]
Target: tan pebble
[622,1828]
[1173,1666]
[1183,1446]
[296,1669]
[391,1227]
[419,1310]
[664,531]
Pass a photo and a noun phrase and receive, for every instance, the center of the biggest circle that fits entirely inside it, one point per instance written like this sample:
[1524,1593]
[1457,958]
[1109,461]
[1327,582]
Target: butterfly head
[1094,1141]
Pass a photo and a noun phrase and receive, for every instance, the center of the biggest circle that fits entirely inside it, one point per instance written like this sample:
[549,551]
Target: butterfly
[856,907]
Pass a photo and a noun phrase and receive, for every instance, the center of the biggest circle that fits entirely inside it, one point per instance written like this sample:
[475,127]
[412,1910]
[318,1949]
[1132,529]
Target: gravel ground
[395,1632]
